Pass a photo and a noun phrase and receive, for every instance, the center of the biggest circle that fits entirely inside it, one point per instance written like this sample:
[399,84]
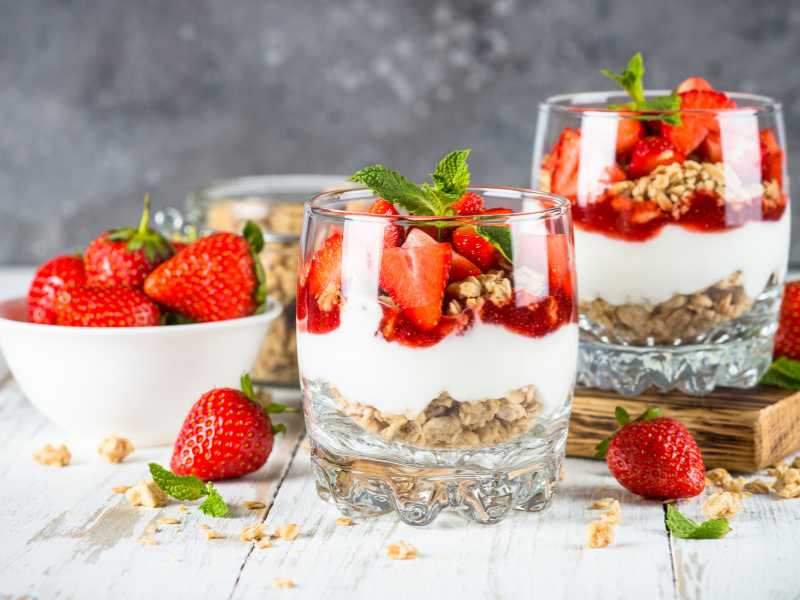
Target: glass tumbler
[431,382]
[681,245]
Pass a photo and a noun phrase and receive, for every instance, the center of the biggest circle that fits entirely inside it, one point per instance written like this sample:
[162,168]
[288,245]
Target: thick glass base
[364,475]
[695,370]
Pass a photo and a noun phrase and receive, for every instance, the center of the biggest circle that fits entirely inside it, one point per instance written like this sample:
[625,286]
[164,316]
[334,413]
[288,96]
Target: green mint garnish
[684,528]
[189,487]
[632,81]
[499,237]
[783,373]
[451,176]
[623,418]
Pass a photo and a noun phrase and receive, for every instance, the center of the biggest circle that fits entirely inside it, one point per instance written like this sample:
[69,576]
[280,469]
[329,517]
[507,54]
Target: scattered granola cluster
[114,449]
[684,316]
[258,533]
[493,287]
[146,493]
[600,532]
[53,456]
[785,485]
[401,550]
[447,423]
[722,504]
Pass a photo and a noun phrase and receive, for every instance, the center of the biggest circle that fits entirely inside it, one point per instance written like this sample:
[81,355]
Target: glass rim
[565,103]
[559,206]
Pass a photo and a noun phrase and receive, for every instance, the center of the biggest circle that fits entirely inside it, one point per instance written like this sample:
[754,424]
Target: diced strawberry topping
[393,234]
[559,264]
[566,158]
[711,148]
[415,278]
[462,267]
[319,320]
[325,274]
[771,157]
[397,327]
[612,174]
[474,247]
[418,237]
[534,319]
[469,204]
[652,152]
[629,131]
[693,84]
[695,126]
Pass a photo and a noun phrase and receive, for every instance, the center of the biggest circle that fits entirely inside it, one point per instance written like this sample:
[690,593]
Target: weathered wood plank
[523,557]
[66,534]
[758,559]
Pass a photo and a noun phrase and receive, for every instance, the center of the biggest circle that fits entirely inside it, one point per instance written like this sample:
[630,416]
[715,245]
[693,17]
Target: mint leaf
[175,486]
[392,186]
[784,373]
[632,77]
[684,528]
[499,237]
[452,174]
[214,505]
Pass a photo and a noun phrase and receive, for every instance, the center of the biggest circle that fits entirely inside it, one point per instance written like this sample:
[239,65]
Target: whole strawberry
[57,273]
[787,338]
[215,278]
[85,306]
[226,434]
[654,456]
[125,257]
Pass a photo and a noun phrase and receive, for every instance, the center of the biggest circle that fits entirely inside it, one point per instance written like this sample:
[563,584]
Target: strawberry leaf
[622,416]
[601,450]
[188,487]
[685,528]
[214,505]
[499,236]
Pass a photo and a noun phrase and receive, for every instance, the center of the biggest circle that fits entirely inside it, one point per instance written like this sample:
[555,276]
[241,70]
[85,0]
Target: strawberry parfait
[436,328]
[680,202]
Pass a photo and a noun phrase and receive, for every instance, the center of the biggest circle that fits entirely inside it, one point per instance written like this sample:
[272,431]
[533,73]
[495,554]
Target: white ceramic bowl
[138,382]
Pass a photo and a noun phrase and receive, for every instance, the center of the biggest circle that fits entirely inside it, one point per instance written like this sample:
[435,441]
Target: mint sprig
[624,418]
[451,176]
[189,487]
[499,236]
[632,81]
[683,527]
[783,373]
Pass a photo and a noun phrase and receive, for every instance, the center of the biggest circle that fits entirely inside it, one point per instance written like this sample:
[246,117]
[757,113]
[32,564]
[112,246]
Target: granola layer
[447,423]
[682,317]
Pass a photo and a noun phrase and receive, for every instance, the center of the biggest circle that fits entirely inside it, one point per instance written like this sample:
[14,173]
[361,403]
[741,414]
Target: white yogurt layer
[679,261]
[488,361]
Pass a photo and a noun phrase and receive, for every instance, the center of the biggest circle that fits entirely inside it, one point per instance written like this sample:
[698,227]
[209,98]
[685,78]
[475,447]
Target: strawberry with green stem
[125,257]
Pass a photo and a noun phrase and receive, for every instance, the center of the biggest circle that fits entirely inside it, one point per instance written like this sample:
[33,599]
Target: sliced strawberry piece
[693,84]
[393,234]
[418,237]
[629,131]
[566,162]
[652,152]
[695,126]
[325,274]
[319,320]
[469,204]
[559,264]
[613,174]
[415,278]
[769,141]
[396,327]
[461,268]
[771,157]
[711,148]
[473,247]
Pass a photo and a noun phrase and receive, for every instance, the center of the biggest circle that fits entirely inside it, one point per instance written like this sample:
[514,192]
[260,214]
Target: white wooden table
[64,534]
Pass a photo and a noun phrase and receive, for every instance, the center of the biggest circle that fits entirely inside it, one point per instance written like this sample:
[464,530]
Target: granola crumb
[167,521]
[600,534]
[288,531]
[787,483]
[757,486]
[722,505]
[254,505]
[562,474]
[114,448]
[346,521]
[613,515]
[53,456]
[401,550]
[211,534]
[283,584]
[253,533]
[120,489]
[146,493]
[796,463]
[265,543]
[148,541]
[602,504]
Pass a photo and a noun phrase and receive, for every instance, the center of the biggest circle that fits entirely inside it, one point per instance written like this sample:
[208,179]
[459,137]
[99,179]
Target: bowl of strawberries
[126,336]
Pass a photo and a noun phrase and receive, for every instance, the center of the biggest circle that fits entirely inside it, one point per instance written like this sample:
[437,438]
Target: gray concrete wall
[102,100]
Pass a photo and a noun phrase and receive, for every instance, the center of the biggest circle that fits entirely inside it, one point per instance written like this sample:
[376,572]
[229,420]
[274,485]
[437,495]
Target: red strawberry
[460,267]
[85,306]
[711,148]
[469,204]
[397,327]
[226,434]
[125,257]
[771,157]
[652,152]
[473,247]
[654,456]
[56,274]
[415,278]
[325,272]
[216,278]
[787,338]
[393,234]
[695,125]
[566,159]
[693,84]
[612,174]
[629,131]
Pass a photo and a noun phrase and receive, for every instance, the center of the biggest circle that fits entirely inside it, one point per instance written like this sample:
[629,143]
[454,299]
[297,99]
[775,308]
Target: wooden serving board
[741,430]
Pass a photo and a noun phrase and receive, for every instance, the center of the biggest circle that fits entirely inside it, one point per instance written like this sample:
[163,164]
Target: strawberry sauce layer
[616,216]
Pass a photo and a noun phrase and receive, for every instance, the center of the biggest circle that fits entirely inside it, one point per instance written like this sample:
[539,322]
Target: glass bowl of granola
[680,203]
[276,203]
[437,342]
